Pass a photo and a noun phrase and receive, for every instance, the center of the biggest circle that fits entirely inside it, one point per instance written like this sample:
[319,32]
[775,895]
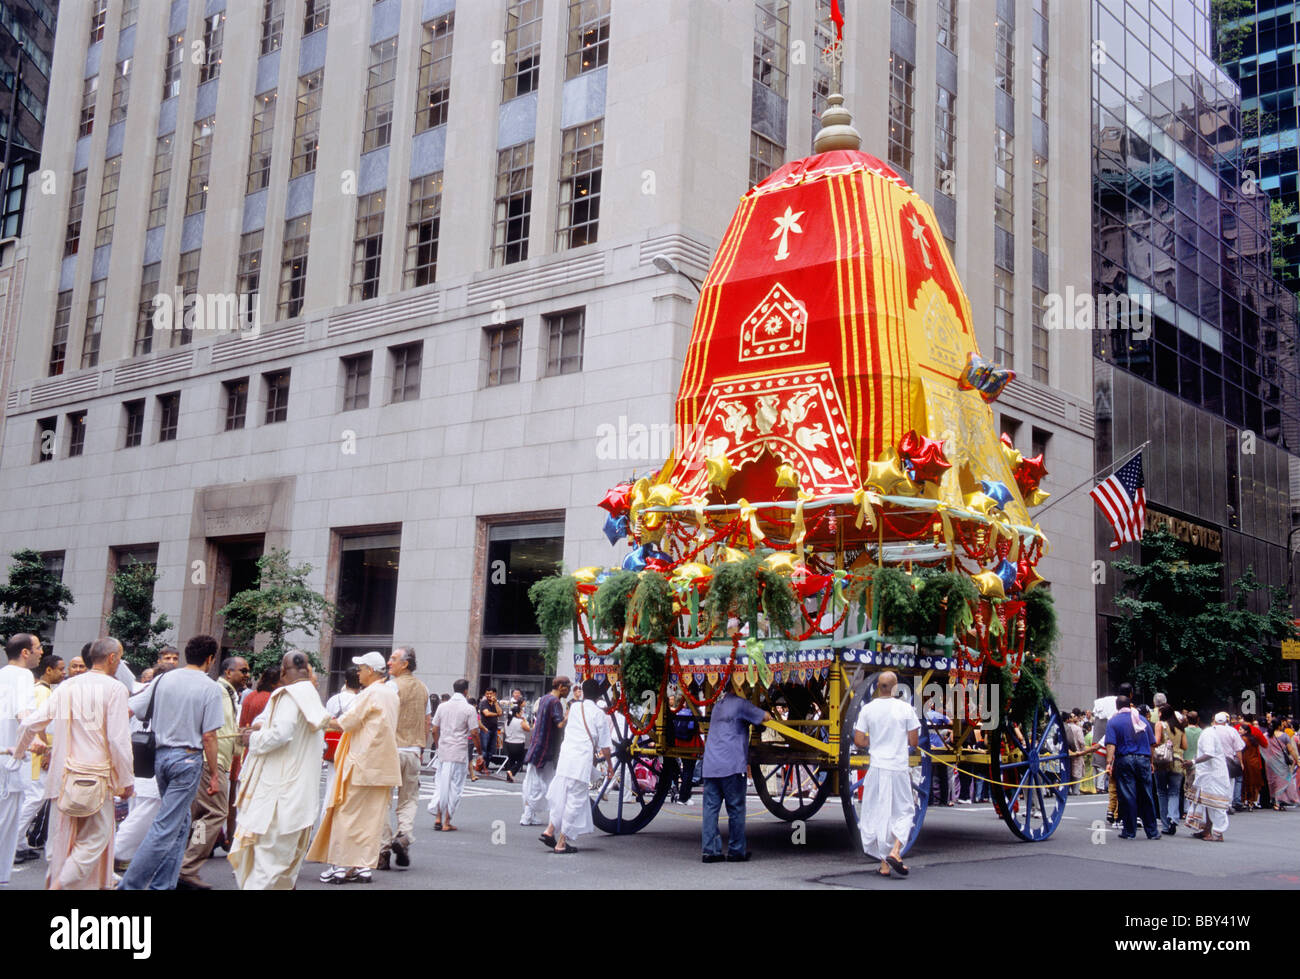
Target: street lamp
[665,264]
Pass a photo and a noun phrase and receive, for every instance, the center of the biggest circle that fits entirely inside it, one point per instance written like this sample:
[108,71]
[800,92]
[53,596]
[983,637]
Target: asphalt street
[965,847]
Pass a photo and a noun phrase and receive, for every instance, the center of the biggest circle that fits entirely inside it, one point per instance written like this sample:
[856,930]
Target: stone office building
[447,217]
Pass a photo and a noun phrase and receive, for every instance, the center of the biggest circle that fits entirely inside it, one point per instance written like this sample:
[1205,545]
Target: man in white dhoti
[455,723]
[17,700]
[279,792]
[543,751]
[587,732]
[92,744]
[146,801]
[888,727]
[1207,812]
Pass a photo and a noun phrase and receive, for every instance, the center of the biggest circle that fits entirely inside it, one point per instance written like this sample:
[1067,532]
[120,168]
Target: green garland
[555,600]
[643,670]
[610,603]
[887,594]
[744,588]
[944,601]
[1041,633]
[652,606]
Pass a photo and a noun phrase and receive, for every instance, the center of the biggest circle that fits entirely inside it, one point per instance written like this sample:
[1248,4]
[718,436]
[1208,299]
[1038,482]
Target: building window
[1039,440]
[1004,57]
[46,438]
[946,22]
[159,189]
[580,164]
[108,201]
[133,412]
[1038,335]
[423,220]
[236,403]
[433,84]
[901,120]
[356,382]
[89,91]
[172,61]
[367,246]
[149,278]
[1038,84]
[1039,218]
[59,339]
[13,196]
[511,645]
[315,17]
[771,43]
[196,193]
[564,342]
[130,12]
[293,266]
[1003,317]
[98,17]
[379,95]
[306,124]
[76,205]
[523,48]
[514,204]
[214,32]
[277,396]
[765,157]
[503,353]
[169,416]
[406,371]
[823,43]
[187,283]
[588,37]
[259,148]
[272,25]
[945,141]
[1004,180]
[121,92]
[94,324]
[905,7]
[366,595]
[249,273]
[76,433]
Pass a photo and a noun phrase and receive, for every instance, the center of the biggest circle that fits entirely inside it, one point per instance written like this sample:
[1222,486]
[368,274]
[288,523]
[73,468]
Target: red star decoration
[657,564]
[616,499]
[1029,473]
[925,456]
[1006,440]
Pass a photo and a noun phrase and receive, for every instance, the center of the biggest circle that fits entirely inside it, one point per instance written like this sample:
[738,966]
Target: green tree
[1282,228]
[1177,634]
[1230,31]
[33,598]
[133,622]
[282,604]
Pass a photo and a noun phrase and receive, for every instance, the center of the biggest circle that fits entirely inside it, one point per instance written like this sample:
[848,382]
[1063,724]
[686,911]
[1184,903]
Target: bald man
[279,794]
[888,727]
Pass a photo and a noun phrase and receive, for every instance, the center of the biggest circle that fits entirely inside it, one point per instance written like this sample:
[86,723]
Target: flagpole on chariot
[1091,479]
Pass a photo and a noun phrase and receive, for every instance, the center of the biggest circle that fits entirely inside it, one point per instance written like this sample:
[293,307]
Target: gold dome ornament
[720,470]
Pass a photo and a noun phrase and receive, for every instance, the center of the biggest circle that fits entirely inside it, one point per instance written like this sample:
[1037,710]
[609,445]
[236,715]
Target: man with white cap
[1212,794]
[351,829]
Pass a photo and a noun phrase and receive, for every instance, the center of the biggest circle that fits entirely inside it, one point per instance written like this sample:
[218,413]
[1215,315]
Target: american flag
[1123,501]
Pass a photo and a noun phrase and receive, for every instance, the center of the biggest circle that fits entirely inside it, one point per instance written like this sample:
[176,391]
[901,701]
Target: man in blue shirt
[1129,741]
[726,756]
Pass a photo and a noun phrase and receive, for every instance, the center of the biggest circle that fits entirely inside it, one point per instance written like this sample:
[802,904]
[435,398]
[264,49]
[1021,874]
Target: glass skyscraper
[1198,360]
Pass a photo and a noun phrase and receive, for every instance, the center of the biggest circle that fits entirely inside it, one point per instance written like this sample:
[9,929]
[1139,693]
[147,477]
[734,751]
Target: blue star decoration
[615,528]
[996,491]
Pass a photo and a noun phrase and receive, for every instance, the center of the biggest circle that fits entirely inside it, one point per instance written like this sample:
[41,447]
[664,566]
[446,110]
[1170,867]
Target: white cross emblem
[918,232]
[785,224]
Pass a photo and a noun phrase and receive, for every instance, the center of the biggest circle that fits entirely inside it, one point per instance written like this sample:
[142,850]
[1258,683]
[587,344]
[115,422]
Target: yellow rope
[992,781]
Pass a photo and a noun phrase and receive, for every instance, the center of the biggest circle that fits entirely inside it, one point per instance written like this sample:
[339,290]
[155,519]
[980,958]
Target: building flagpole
[1093,478]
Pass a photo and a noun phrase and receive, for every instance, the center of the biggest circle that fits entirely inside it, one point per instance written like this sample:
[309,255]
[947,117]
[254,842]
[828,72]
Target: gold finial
[837,132]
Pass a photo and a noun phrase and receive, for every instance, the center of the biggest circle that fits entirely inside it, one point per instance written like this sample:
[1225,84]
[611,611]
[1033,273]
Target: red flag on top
[1123,501]
[837,18]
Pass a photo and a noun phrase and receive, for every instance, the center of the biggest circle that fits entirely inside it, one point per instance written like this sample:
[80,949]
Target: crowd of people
[135,783]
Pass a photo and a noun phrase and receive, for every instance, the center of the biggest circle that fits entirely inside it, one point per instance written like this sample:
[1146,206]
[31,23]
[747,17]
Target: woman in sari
[1279,755]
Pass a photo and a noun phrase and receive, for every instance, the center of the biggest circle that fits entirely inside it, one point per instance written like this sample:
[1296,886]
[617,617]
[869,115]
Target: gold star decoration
[786,476]
[720,470]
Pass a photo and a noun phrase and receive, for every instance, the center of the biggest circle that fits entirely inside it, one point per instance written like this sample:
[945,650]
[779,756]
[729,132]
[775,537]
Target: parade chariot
[838,504]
